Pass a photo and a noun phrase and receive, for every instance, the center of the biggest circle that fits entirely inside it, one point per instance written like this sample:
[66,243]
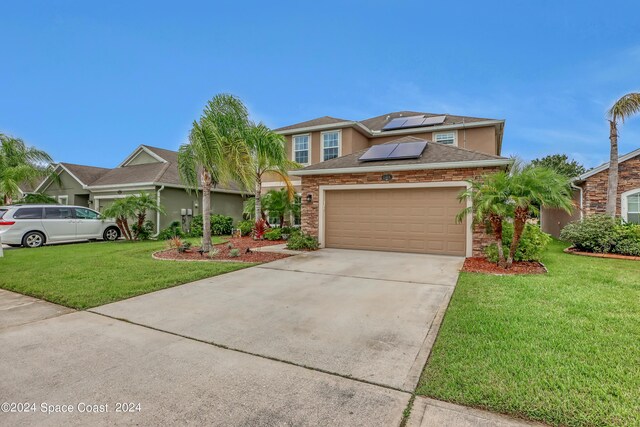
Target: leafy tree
[561,164]
[490,203]
[216,153]
[268,156]
[624,108]
[19,164]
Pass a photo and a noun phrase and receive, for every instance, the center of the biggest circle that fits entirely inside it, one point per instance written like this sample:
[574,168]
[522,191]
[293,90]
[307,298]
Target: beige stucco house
[147,169]
[590,195]
[401,196]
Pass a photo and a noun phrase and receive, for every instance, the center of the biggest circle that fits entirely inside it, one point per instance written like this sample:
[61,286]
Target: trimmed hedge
[603,234]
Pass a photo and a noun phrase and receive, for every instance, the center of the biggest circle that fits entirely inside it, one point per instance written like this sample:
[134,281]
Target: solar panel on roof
[413,122]
[408,150]
[378,152]
[435,120]
[404,150]
[395,123]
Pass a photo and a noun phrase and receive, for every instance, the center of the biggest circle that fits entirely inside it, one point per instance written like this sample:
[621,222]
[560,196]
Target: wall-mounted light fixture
[309,198]
[387,177]
[195,205]
[119,191]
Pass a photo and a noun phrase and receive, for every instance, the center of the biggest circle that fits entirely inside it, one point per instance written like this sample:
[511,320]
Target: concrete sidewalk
[17,309]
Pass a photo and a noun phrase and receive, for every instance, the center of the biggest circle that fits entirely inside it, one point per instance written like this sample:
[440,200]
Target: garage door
[418,220]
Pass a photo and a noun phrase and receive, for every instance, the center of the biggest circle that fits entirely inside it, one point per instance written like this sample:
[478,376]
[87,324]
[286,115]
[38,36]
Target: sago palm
[490,203]
[19,164]
[624,108]
[216,153]
[268,156]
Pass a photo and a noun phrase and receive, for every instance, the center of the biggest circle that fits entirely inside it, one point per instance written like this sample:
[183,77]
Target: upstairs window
[301,149]
[448,138]
[330,145]
[633,208]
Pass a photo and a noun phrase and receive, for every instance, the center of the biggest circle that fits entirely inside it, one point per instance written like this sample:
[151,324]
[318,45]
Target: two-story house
[392,182]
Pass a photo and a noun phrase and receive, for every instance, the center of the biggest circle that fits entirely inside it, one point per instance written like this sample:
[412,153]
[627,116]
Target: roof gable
[605,166]
[143,155]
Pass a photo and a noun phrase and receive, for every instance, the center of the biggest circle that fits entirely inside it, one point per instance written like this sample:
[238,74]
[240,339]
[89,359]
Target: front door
[59,223]
[89,224]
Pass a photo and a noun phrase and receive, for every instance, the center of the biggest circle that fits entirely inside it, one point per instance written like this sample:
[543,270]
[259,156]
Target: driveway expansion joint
[262,356]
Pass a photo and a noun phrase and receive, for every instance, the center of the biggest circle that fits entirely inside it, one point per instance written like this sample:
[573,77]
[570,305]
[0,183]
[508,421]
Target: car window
[86,214]
[2,212]
[57,213]
[28,213]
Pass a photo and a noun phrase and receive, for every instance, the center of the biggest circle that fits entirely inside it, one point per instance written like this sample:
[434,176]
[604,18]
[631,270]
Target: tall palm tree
[19,164]
[490,203]
[216,153]
[531,188]
[268,156]
[624,108]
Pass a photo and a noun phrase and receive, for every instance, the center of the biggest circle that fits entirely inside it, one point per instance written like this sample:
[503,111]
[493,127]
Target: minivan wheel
[111,234]
[33,239]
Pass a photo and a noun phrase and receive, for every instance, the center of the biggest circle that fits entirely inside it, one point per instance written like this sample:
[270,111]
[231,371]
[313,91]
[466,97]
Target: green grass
[90,274]
[562,348]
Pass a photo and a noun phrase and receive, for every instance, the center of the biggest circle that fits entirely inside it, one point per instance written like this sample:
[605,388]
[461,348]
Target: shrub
[234,253]
[245,227]
[144,232]
[174,229]
[594,233]
[627,239]
[259,228]
[302,241]
[532,244]
[273,234]
[221,225]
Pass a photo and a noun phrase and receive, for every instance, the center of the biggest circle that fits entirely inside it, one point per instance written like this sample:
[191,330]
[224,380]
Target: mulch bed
[483,265]
[241,243]
[574,251]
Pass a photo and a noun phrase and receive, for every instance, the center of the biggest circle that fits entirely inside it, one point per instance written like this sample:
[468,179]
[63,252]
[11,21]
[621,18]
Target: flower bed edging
[572,251]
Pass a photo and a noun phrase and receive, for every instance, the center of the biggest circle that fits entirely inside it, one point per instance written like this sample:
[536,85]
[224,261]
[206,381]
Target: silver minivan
[32,226]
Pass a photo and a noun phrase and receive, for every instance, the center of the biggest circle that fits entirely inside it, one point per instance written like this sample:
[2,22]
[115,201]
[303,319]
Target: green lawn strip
[86,275]
[562,348]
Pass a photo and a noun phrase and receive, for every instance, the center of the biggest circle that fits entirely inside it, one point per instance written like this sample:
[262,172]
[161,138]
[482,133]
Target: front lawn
[86,275]
[562,348]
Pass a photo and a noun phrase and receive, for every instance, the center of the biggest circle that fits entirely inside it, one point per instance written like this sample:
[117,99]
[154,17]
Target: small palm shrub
[603,234]
[245,227]
[221,225]
[144,232]
[531,247]
[302,241]
[273,234]
[174,229]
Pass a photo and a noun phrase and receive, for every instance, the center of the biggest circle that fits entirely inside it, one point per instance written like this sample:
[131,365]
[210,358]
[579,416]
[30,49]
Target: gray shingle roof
[86,174]
[377,123]
[434,153]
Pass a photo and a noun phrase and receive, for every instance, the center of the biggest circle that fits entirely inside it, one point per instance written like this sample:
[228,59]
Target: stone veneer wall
[595,187]
[311,185]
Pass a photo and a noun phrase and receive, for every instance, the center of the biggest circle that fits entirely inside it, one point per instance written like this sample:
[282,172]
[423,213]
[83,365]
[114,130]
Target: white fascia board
[155,184]
[378,134]
[84,186]
[405,167]
[321,127]
[605,166]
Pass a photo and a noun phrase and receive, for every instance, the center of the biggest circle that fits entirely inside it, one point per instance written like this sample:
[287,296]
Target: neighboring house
[591,195]
[393,182]
[147,169]
[326,138]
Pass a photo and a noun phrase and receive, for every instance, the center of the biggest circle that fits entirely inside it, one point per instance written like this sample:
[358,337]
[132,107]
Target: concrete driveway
[331,337]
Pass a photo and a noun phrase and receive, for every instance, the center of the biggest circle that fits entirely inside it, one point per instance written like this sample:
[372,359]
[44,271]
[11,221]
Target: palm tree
[624,108]
[216,153]
[269,156]
[141,203]
[121,210]
[19,164]
[280,205]
[531,188]
[490,203]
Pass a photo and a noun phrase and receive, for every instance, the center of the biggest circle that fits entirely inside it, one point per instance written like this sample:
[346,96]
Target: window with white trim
[633,208]
[330,145]
[301,149]
[63,200]
[445,138]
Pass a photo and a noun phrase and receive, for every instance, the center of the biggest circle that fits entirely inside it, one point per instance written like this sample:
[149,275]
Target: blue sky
[89,81]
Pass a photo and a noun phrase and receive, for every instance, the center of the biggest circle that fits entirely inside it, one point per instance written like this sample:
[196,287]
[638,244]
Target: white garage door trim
[322,198]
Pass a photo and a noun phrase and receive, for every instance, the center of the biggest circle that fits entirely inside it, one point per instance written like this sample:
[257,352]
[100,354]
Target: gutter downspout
[158,212]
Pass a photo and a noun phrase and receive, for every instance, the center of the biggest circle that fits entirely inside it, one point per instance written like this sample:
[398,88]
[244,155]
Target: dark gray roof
[378,122]
[86,174]
[434,153]
[326,120]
